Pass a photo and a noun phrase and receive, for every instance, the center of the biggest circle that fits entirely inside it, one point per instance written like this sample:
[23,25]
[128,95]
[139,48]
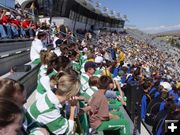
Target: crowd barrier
[134,94]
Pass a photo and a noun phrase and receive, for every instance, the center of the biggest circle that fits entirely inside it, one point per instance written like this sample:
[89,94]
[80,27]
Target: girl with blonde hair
[47,111]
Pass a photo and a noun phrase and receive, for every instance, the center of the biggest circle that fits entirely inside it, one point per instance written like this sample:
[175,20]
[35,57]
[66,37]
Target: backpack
[152,110]
[21,68]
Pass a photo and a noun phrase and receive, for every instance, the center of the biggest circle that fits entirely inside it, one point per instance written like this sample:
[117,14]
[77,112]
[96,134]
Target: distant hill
[169,33]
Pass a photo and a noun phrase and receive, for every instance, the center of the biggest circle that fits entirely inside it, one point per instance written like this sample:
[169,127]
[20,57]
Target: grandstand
[81,15]
[76,14]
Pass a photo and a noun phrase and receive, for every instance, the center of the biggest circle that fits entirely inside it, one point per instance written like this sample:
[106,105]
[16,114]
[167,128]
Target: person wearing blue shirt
[144,101]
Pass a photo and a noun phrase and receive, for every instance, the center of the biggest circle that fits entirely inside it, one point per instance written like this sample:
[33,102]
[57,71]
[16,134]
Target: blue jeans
[8,30]
[22,32]
[110,94]
[2,32]
[29,32]
[15,31]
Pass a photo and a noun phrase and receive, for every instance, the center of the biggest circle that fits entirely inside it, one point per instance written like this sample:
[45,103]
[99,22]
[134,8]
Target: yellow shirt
[121,57]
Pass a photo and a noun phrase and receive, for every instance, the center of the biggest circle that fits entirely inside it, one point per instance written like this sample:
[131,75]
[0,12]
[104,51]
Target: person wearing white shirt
[36,47]
[58,40]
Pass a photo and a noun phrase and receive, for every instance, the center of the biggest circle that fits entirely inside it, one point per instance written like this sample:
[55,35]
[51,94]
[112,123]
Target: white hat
[166,85]
[85,50]
[8,13]
[99,59]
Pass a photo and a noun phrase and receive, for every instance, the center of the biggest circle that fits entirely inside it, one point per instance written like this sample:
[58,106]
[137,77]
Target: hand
[112,116]
[73,101]
[115,116]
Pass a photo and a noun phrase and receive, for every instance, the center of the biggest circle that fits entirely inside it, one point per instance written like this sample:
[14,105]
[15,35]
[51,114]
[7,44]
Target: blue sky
[148,15]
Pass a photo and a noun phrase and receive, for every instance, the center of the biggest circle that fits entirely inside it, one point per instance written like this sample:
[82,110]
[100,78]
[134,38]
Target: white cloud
[161,28]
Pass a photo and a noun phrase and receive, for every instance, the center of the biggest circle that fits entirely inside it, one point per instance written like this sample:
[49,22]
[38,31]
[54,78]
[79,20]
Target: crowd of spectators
[125,59]
[16,25]
[88,78]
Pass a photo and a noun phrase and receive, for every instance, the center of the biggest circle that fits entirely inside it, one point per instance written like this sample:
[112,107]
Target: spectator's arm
[143,107]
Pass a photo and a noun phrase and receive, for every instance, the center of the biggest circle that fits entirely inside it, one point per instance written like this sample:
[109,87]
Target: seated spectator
[6,21]
[55,65]
[90,68]
[2,30]
[100,117]
[10,117]
[36,47]
[26,25]
[14,27]
[47,111]
[93,84]
[57,40]
[14,91]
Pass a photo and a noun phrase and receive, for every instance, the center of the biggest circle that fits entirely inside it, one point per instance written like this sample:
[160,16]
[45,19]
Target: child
[93,84]
[100,117]
[54,66]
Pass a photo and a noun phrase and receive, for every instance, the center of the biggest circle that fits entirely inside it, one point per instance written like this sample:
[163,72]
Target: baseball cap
[166,85]
[8,13]
[99,59]
[90,64]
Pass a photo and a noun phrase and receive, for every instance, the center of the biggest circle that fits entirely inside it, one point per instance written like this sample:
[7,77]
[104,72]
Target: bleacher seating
[13,52]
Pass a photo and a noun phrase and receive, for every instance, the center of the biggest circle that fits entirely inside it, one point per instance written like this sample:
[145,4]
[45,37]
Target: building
[76,14]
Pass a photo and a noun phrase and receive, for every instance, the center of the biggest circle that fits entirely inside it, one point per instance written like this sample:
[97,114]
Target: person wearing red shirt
[26,25]
[2,30]
[17,23]
[14,27]
[7,24]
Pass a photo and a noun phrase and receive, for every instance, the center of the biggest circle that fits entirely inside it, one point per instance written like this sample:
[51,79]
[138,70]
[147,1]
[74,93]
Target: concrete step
[9,59]
[13,44]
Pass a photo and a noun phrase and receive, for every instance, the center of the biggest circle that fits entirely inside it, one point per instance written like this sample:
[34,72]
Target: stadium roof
[91,7]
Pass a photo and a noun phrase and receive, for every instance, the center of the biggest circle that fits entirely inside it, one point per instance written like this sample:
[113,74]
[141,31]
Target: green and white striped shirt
[98,72]
[84,79]
[46,111]
[89,92]
[76,66]
[42,71]
[44,84]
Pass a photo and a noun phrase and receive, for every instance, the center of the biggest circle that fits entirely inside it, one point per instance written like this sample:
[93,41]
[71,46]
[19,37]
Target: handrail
[144,124]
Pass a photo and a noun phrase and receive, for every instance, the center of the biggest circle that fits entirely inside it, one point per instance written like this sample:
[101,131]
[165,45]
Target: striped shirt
[89,92]
[44,84]
[42,71]
[98,72]
[46,111]
[76,66]
[84,79]
[29,125]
